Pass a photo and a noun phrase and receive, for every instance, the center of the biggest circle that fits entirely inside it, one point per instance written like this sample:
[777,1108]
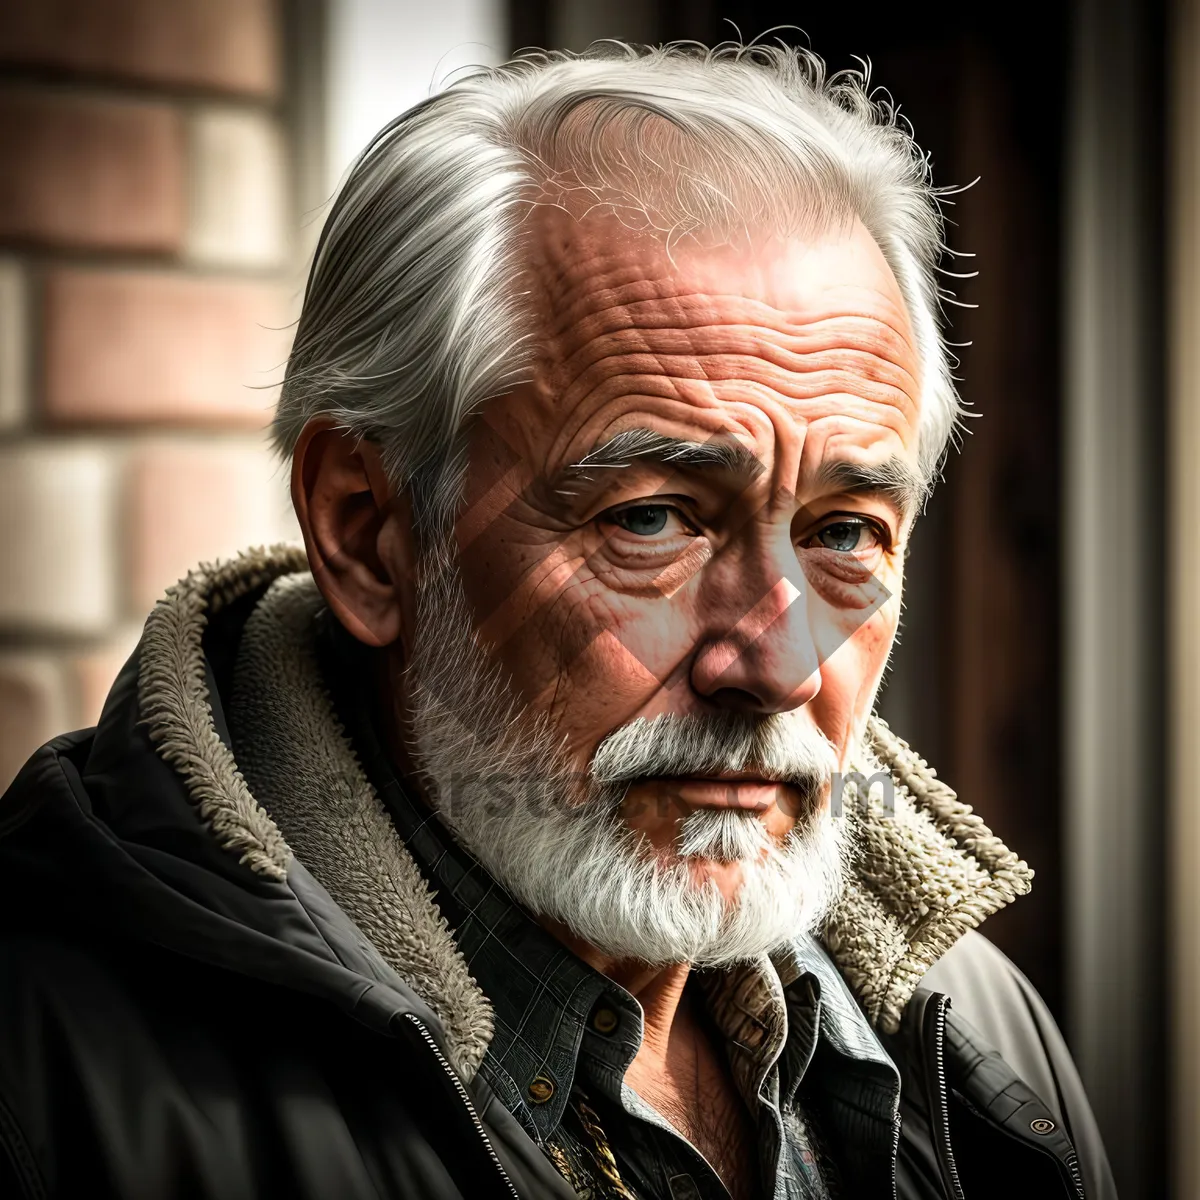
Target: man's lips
[728,789]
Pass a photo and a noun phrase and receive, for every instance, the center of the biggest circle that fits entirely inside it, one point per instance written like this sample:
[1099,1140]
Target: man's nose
[759,654]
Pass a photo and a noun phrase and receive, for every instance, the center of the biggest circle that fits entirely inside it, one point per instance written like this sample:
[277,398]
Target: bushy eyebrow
[895,481]
[632,446]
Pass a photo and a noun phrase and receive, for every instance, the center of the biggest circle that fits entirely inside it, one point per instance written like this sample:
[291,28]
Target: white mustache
[780,747]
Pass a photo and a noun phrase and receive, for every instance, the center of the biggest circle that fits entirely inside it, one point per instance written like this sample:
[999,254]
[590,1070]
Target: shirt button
[1041,1125]
[604,1020]
[541,1089]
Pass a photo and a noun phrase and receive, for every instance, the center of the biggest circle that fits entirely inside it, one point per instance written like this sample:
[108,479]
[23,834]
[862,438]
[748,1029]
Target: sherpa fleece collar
[927,872]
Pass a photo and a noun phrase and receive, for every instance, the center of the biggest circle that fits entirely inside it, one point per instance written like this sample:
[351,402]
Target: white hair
[414,315]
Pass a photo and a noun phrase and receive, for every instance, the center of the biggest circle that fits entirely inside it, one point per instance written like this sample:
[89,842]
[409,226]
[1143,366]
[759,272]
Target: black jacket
[180,1021]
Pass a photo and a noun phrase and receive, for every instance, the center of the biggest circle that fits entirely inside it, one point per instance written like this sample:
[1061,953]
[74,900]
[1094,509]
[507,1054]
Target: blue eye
[843,536]
[645,520]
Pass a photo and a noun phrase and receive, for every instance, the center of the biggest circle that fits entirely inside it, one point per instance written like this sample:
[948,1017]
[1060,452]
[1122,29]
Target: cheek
[635,654]
[574,647]
[851,606]
[852,664]
[616,658]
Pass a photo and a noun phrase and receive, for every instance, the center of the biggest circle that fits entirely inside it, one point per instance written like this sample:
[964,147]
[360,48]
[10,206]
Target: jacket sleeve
[988,990]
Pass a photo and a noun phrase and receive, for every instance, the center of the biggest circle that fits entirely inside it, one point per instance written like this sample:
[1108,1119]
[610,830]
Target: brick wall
[148,273]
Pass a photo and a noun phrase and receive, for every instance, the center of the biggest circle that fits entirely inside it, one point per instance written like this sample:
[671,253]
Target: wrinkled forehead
[587,276]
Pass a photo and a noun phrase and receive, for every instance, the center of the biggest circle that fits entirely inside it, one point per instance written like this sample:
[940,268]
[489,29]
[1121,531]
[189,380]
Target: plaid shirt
[807,1064]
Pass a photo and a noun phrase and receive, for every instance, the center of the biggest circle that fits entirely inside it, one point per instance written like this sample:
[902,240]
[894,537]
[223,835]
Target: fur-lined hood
[279,789]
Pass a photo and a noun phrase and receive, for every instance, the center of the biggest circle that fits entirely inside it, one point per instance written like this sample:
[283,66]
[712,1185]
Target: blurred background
[163,172]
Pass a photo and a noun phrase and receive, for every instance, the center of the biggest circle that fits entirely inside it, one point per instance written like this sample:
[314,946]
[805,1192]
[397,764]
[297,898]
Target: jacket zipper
[1072,1162]
[945,1150]
[462,1093]
[895,1151]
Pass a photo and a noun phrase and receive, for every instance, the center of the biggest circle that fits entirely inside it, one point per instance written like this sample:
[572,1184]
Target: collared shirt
[823,1093]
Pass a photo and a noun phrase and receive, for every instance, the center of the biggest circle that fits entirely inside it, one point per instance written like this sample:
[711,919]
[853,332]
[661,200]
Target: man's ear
[357,531]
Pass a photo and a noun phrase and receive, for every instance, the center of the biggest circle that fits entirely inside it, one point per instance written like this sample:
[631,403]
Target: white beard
[502,781]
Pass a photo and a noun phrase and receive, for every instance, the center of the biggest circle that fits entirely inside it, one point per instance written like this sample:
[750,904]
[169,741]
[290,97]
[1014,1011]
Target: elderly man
[530,833]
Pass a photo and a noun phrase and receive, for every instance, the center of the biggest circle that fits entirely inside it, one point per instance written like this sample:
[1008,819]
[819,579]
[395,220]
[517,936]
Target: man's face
[725,551]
